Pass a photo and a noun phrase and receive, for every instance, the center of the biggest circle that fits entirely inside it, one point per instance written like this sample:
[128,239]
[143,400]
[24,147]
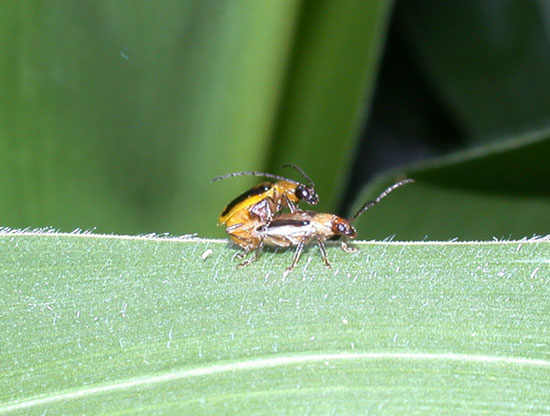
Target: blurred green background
[114,116]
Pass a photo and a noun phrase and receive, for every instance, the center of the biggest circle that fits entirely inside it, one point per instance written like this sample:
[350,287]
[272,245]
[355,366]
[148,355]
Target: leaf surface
[109,324]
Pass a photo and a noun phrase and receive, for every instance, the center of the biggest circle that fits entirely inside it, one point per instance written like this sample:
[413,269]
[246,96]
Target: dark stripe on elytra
[284,223]
[257,190]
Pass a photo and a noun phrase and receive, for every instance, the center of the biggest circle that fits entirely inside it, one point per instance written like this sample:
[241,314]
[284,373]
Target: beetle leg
[231,229]
[297,255]
[247,244]
[291,206]
[241,235]
[348,249]
[323,251]
[251,259]
[264,210]
[242,254]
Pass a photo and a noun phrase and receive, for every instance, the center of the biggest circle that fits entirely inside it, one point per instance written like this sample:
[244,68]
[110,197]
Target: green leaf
[334,63]
[120,119]
[140,325]
[493,191]
[116,115]
[482,58]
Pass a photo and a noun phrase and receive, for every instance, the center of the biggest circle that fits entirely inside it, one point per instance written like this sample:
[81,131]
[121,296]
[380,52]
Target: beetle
[261,203]
[300,228]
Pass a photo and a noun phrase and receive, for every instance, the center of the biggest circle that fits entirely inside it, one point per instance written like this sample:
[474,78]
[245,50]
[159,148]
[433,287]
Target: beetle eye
[302,192]
[306,194]
[341,227]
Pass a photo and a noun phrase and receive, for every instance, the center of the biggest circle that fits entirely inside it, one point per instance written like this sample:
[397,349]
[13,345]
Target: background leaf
[482,58]
[454,78]
[322,109]
[498,191]
[117,115]
[141,325]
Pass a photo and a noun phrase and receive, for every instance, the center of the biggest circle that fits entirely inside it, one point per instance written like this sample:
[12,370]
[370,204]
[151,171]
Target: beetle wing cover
[245,201]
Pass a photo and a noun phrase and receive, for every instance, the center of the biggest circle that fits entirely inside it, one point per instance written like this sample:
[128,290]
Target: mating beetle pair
[253,219]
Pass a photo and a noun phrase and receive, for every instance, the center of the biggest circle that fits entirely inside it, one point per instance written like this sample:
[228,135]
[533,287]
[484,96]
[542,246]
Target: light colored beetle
[299,228]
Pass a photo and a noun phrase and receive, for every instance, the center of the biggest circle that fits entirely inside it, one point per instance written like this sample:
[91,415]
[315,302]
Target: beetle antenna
[299,169]
[252,173]
[384,194]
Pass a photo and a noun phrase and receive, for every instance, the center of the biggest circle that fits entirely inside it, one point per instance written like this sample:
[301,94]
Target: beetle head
[342,227]
[306,194]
